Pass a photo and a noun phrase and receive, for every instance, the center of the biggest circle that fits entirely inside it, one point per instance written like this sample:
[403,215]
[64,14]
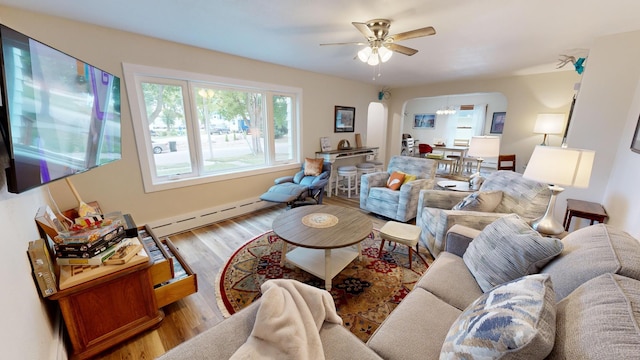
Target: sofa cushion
[507,249]
[516,320]
[450,269]
[590,252]
[222,340]
[416,329]
[599,320]
[484,201]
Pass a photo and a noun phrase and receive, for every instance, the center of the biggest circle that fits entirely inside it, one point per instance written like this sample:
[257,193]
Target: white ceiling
[475,38]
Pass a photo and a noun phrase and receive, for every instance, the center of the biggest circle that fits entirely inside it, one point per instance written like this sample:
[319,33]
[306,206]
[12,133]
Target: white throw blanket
[288,322]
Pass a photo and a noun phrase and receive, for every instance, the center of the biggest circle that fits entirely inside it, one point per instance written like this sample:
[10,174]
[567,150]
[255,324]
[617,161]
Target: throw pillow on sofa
[516,320]
[507,249]
[484,201]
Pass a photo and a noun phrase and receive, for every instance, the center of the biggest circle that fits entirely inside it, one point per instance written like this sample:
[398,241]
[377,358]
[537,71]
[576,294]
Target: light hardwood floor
[206,249]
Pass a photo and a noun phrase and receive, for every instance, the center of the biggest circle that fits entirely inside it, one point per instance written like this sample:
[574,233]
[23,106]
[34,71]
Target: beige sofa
[597,313]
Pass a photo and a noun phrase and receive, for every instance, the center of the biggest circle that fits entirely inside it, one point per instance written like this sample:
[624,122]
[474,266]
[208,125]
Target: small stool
[348,176]
[365,168]
[584,209]
[397,232]
[378,165]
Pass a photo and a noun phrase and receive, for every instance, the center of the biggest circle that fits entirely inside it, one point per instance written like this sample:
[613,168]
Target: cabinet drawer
[162,268]
[183,283]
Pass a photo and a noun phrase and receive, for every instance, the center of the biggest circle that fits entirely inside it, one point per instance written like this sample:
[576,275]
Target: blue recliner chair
[299,189]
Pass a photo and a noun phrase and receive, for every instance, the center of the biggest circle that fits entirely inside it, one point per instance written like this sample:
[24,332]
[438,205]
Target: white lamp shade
[374,59]
[560,166]
[364,54]
[385,54]
[484,146]
[549,124]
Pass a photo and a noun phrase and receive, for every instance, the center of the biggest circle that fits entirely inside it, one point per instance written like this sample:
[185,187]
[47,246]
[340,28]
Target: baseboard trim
[204,217]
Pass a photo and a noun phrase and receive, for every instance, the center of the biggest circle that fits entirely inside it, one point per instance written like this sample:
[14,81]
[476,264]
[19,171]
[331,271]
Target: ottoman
[397,232]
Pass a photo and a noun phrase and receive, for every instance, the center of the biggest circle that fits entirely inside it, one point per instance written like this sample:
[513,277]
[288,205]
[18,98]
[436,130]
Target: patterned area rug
[365,292]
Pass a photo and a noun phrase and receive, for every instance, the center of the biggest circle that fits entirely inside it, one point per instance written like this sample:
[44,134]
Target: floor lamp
[558,167]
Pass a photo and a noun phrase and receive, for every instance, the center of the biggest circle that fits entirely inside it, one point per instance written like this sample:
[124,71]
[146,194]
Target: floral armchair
[401,204]
[527,198]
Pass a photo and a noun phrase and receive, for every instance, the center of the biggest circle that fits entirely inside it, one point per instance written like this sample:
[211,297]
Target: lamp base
[547,224]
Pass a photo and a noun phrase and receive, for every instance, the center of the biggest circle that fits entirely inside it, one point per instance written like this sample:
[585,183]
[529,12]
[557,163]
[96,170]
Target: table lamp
[548,124]
[483,146]
[558,166]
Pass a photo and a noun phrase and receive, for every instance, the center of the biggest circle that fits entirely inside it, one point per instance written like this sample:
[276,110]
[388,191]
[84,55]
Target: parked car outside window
[160,147]
[219,128]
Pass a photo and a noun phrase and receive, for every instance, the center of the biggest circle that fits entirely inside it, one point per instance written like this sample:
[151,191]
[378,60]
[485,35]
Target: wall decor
[344,118]
[635,143]
[497,122]
[325,144]
[424,121]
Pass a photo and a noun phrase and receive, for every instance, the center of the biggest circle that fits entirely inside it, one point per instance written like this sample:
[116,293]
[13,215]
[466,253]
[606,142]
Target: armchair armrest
[283,179]
[440,199]
[458,239]
[473,219]
[319,184]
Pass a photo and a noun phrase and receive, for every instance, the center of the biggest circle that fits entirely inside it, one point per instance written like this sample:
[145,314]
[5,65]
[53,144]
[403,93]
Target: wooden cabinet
[103,312]
[107,310]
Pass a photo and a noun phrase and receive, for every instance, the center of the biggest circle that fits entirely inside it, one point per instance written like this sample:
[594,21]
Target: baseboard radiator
[185,222]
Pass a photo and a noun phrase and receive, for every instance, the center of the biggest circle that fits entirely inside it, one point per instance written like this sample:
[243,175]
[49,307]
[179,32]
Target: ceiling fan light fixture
[374,59]
[385,54]
[364,54]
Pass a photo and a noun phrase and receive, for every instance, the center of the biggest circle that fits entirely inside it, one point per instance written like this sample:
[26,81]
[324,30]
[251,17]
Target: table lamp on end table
[558,166]
[481,147]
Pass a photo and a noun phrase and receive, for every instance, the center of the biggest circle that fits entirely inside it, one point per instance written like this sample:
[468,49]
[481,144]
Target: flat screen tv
[58,115]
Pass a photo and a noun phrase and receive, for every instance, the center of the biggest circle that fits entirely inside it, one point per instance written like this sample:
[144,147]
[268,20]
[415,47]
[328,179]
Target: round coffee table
[323,235]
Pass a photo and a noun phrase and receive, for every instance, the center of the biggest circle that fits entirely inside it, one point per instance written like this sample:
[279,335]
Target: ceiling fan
[380,44]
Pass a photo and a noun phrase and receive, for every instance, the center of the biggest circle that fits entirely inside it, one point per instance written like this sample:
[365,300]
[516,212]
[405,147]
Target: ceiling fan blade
[401,49]
[346,43]
[427,31]
[364,29]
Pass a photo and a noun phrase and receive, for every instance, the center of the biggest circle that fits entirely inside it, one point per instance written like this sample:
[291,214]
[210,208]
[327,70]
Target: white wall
[605,118]
[27,329]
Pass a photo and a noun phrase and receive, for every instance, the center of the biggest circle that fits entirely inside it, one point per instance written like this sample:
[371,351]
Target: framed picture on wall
[497,122]
[424,121]
[345,117]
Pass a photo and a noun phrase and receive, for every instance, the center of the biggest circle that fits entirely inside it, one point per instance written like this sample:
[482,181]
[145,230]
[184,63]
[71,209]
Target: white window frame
[135,74]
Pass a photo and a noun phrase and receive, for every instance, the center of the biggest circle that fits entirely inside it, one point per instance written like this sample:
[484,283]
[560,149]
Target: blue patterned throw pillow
[507,249]
[516,320]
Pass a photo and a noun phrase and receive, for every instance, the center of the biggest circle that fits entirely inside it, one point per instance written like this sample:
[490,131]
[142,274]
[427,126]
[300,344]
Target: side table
[584,209]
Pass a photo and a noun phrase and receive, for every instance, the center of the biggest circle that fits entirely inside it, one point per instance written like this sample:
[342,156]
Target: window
[193,128]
